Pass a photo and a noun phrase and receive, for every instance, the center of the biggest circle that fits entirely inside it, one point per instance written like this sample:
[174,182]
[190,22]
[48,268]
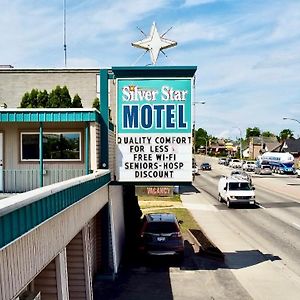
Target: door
[1,162]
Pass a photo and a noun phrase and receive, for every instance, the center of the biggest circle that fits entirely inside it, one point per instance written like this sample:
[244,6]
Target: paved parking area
[196,277]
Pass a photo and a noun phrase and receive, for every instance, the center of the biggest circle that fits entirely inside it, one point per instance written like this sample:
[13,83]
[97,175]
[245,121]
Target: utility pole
[241,151]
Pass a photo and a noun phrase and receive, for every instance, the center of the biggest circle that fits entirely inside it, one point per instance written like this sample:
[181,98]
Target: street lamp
[194,123]
[284,118]
[241,152]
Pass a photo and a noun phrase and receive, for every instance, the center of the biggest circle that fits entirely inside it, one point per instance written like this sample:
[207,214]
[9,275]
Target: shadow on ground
[187,189]
[148,278]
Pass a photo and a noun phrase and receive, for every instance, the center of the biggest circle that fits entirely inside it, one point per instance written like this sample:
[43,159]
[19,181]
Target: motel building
[68,176]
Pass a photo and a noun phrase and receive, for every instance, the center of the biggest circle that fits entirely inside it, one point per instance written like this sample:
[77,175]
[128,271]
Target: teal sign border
[184,86]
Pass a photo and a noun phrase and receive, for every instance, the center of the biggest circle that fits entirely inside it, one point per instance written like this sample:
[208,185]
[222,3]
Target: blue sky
[247,51]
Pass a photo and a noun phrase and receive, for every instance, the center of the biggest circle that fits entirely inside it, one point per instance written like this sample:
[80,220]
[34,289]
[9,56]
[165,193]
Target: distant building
[260,144]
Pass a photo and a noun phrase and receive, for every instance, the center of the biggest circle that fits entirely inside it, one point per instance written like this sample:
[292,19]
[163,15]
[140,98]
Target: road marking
[259,205]
[297,225]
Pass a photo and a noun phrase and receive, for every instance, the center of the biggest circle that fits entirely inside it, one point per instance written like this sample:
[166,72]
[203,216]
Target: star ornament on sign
[154,43]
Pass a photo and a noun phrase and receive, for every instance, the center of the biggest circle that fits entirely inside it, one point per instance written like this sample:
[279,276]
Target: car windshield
[239,186]
[161,227]
[205,164]
[235,173]
[265,167]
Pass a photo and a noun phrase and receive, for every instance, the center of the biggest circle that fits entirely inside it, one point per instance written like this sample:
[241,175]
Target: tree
[201,138]
[42,98]
[267,134]
[25,100]
[96,103]
[65,100]
[255,131]
[285,134]
[30,100]
[58,98]
[76,102]
[54,98]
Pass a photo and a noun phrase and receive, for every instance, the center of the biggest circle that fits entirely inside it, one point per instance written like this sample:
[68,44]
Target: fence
[21,180]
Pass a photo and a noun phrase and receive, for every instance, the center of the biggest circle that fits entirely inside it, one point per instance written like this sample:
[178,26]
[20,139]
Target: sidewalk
[259,272]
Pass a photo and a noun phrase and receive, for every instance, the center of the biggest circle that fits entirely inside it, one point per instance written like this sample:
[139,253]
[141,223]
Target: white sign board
[154,132]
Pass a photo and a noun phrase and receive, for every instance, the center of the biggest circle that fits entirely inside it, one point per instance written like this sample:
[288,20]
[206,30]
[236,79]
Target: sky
[247,52]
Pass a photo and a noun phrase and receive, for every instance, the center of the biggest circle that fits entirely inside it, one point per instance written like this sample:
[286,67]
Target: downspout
[87,149]
[41,155]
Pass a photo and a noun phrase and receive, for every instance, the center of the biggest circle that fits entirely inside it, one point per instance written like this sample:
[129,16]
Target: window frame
[23,133]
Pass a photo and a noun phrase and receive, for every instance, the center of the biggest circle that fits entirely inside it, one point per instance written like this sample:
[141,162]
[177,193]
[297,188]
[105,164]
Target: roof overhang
[154,71]
[20,115]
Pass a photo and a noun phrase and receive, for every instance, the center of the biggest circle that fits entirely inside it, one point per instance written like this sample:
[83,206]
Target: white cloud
[247,52]
[194,31]
[197,2]
[287,24]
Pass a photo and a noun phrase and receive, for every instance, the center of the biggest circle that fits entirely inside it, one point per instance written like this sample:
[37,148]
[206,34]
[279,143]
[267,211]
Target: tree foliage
[201,138]
[267,134]
[76,102]
[57,98]
[96,103]
[285,134]
[255,131]
[42,98]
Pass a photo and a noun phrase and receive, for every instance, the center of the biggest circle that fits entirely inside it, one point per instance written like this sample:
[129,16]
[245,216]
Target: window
[161,227]
[239,186]
[57,146]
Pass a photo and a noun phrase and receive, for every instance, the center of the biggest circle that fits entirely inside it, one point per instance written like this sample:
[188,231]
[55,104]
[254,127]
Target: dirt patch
[154,204]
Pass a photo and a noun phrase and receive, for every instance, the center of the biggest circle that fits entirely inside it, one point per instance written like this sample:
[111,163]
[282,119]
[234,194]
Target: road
[262,244]
[261,247]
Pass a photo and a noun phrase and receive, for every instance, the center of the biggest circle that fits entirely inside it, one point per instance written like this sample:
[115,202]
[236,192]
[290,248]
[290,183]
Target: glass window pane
[56,146]
[30,146]
[61,146]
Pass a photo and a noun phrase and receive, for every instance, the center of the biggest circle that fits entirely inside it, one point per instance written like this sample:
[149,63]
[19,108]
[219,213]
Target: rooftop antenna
[65,35]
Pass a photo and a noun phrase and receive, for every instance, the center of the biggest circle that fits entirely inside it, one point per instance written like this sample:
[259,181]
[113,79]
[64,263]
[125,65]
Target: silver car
[241,175]
[263,170]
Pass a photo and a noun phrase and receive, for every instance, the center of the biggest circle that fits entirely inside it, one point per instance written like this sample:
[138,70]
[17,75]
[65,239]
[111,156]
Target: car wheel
[180,257]
[220,198]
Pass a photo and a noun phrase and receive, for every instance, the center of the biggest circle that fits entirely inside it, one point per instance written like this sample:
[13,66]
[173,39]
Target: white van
[234,190]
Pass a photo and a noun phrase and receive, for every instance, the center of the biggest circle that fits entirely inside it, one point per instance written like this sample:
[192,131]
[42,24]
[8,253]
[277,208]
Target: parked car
[239,174]
[235,163]
[222,161]
[263,170]
[227,161]
[195,169]
[249,166]
[205,166]
[233,190]
[161,235]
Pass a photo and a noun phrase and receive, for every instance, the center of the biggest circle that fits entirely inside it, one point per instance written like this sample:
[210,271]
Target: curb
[212,250]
